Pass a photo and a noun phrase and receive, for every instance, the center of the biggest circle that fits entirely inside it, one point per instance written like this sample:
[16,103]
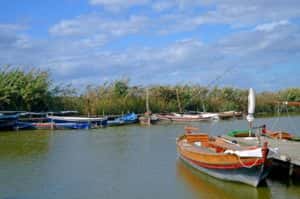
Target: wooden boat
[129,118]
[184,117]
[148,119]
[223,159]
[278,134]
[230,114]
[240,133]
[7,122]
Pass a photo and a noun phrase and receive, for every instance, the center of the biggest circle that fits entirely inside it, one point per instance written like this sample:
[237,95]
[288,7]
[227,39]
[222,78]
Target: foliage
[33,91]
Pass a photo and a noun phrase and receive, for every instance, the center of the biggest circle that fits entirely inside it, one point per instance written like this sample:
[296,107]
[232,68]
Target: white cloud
[116,5]
[87,48]
[95,25]
[271,26]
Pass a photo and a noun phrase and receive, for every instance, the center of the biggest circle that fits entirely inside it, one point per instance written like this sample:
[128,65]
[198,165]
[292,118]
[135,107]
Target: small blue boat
[28,120]
[7,122]
[77,122]
[24,126]
[72,125]
[129,118]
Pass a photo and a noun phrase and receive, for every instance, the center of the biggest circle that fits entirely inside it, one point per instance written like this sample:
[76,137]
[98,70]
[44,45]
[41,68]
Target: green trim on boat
[296,138]
[235,133]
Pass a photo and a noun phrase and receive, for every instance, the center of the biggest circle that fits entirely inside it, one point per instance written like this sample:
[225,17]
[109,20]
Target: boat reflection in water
[205,186]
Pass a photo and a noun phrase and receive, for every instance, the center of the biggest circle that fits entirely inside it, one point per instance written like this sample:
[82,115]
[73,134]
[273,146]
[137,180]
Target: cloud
[271,26]
[154,48]
[235,13]
[98,29]
[117,5]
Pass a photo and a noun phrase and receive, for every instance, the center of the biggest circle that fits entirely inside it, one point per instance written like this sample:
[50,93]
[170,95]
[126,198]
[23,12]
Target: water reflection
[23,144]
[204,186]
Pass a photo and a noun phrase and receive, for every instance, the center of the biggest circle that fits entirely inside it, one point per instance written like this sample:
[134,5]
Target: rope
[289,120]
[279,110]
[212,83]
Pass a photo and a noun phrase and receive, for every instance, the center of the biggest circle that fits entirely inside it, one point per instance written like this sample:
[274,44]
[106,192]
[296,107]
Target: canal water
[122,162]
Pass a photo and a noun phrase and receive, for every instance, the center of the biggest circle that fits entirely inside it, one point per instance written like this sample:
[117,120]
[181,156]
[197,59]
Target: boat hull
[8,122]
[130,118]
[172,118]
[24,126]
[222,159]
[77,122]
[251,176]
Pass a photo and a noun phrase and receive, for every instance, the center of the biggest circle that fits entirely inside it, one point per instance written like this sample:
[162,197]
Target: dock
[286,153]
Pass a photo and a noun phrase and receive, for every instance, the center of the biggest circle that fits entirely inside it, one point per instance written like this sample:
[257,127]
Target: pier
[285,157]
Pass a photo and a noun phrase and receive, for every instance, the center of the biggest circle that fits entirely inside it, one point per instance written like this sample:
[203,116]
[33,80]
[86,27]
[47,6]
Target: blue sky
[155,41]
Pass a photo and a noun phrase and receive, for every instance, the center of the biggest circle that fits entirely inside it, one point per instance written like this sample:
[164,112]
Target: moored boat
[240,133]
[129,118]
[223,159]
[77,122]
[230,114]
[148,119]
[187,117]
[7,122]
[278,134]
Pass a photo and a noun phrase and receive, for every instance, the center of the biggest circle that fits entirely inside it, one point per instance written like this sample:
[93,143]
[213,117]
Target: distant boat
[240,133]
[223,159]
[7,122]
[129,118]
[24,126]
[230,114]
[77,122]
[148,119]
[73,125]
[279,134]
[187,117]
[28,120]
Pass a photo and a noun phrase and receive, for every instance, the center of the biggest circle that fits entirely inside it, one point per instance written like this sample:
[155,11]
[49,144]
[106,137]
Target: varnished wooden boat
[185,117]
[222,159]
[279,134]
[230,114]
[147,119]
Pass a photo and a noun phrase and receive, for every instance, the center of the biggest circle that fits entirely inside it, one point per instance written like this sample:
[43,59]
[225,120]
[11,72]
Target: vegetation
[34,91]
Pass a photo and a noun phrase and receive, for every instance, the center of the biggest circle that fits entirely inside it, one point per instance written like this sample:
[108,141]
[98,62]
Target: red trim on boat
[231,166]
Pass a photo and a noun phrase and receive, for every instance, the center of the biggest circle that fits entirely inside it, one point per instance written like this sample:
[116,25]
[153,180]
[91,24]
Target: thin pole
[178,101]
[250,128]
[148,114]
[147,100]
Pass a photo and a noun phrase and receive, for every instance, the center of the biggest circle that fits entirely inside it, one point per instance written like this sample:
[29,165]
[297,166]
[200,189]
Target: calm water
[122,162]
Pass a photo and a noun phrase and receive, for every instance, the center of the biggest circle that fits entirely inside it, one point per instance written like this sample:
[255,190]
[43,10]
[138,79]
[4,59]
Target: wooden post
[250,129]
[291,169]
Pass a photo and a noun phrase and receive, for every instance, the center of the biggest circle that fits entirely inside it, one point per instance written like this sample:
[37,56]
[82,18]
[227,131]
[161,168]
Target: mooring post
[291,169]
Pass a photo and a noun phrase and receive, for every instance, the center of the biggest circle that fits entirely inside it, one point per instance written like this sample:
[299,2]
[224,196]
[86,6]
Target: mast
[251,109]
[178,101]
[147,101]
[148,112]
